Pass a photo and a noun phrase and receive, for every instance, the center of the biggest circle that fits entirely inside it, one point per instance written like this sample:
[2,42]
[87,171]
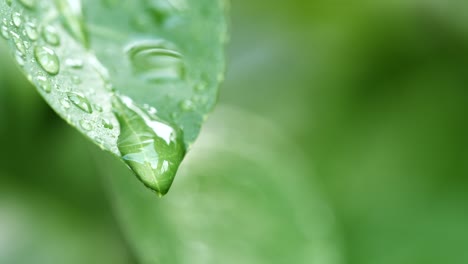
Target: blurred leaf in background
[343,141]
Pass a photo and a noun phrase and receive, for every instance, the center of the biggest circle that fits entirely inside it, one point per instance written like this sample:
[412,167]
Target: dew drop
[107,124]
[161,10]
[47,59]
[75,79]
[199,99]
[65,102]
[28,3]
[80,101]
[5,33]
[187,105]
[156,60]
[74,63]
[44,84]
[98,108]
[31,31]
[19,58]
[51,36]
[86,125]
[200,87]
[26,44]
[174,115]
[151,148]
[109,87]
[16,18]
[151,110]
[18,42]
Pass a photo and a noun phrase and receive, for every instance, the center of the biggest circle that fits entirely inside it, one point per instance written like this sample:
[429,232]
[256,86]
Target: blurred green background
[340,137]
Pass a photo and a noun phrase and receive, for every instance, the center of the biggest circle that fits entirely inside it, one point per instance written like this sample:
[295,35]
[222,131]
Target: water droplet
[31,31]
[28,3]
[187,105]
[5,33]
[109,87]
[16,18]
[174,115]
[26,44]
[47,59]
[141,22]
[19,58]
[199,99]
[51,36]
[156,60]
[75,64]
[86,125]
[151,148]
[161,11]
[65,102]
[98,108]
[44,84]
[151,110]
[107,124]
[80,101]
[200,87]
[76,79]
[18,42]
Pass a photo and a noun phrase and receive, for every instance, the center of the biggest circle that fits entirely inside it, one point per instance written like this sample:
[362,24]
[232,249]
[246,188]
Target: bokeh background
[340,137]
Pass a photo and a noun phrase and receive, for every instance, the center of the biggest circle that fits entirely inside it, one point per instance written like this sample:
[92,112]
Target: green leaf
[166,56]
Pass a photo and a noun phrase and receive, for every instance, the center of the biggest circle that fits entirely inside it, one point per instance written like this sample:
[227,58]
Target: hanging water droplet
[47,59]
[107,124]
[186,105]
[86,125]
[80,101]
[75,64]
[5,33]
[76,79]
[16,18]
[65,102]
[44,84]
[28,3]
[51,36]
[151,148]
[18,42]
[31,31]
[156,60]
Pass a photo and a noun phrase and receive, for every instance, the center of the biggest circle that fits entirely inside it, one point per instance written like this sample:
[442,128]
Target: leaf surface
[165,56]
